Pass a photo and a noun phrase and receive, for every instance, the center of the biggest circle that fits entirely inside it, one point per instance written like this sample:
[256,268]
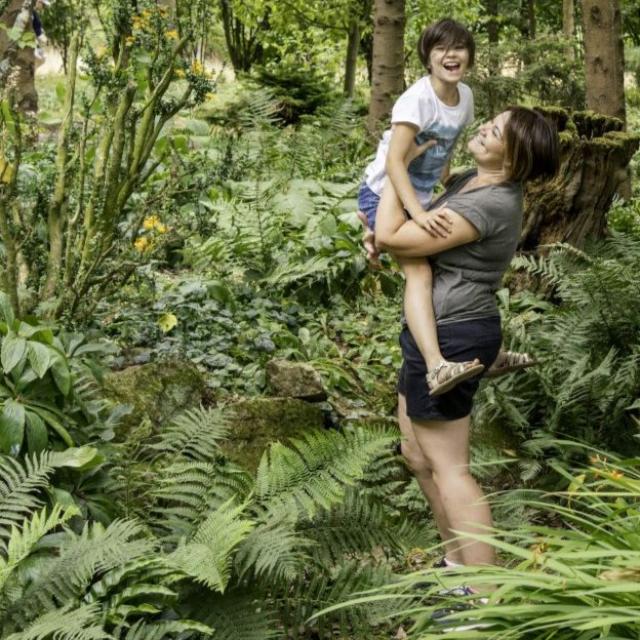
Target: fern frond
[246,615]
[186,491]
[142,630]
[193,435]
[21,486]
[207,556]
[274,552]
[66,623]
[23,539]
[95,550]
[313,473]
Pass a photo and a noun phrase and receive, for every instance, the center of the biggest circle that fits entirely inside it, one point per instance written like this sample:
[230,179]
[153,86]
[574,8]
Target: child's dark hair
[446,32]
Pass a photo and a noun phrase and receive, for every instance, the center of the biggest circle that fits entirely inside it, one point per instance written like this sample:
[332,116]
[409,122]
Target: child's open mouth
[451,66]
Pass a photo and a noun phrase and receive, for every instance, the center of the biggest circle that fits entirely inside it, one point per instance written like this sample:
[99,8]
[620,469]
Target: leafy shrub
[48,387]
[577,582]
[588,382]
[204,540]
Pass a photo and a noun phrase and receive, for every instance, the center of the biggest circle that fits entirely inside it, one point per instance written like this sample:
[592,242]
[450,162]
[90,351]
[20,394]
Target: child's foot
[508,361]
[448,374]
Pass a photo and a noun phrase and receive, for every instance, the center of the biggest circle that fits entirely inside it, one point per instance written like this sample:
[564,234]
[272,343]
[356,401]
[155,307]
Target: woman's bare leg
[421,469]
[445,445]
[418,308]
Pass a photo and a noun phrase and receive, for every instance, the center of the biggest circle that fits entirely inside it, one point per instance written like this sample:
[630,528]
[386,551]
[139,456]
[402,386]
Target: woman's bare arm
[406,239]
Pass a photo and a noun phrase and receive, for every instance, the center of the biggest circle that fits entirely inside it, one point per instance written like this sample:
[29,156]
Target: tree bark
[351,62]
[569,26]
[531,19]
[604,57]
[17,62]
[595,153]
[387,60]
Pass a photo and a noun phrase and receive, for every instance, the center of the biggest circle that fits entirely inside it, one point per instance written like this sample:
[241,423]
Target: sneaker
[439,616]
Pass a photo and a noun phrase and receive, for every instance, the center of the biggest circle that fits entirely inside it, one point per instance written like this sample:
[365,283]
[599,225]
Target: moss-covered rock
[157,390]
[255,422]
[295,380]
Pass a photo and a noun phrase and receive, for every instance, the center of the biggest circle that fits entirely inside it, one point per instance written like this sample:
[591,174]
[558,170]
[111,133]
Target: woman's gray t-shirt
[466,278]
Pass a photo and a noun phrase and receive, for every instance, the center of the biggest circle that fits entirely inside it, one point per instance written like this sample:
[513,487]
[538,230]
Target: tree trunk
[569,26]
[604,58]
[595,153]
[351,62]
[388,60]
[17,63]
[531,19]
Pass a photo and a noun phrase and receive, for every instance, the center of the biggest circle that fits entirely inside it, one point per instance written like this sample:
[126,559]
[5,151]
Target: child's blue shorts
[368,203]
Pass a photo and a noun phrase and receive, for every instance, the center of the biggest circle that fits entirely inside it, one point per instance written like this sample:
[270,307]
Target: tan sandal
[508,361]
[448,374]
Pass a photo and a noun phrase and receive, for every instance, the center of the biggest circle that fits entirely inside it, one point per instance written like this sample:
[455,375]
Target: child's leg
[418,308]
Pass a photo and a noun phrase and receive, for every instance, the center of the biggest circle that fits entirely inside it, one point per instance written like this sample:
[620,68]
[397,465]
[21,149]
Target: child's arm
[401,151]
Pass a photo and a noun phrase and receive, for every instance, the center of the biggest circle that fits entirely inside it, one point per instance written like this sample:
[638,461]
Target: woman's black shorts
[459,341]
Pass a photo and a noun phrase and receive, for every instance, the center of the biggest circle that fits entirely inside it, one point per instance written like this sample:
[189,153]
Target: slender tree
[604,57]
[388,59]
[569,25]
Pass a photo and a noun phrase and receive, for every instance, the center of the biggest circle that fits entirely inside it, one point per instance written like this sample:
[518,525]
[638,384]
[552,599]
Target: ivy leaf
[13,348]
[12,421]
[39,358]
[167,321]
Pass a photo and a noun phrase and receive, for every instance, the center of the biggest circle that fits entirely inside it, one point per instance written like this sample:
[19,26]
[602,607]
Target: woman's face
[488,146]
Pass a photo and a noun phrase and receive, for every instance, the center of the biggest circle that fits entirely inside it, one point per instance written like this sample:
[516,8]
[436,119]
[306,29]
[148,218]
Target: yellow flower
[179,73]
[210,96]
[161,228]
[141,244]
[129,40]
[150,222]
[172,34]
[196,67]
[616,475]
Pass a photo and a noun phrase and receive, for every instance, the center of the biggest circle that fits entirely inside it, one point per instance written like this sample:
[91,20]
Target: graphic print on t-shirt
[425,170]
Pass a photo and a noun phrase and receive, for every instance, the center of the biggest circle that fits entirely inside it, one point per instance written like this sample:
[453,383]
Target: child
[434,111]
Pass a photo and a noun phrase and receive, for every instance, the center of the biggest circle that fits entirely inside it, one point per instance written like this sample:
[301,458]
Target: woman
[484,210]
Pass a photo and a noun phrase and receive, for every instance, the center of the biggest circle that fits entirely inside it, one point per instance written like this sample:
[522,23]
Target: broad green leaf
[37,435]
[52,420]
[39,357]
[13,349]
[61,374]
[12,421]
[61,92]
[75,457]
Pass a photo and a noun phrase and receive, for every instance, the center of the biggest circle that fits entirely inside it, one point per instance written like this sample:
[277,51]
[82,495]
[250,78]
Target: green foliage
[588,382]
[202,530]
[49,386]
[573,582]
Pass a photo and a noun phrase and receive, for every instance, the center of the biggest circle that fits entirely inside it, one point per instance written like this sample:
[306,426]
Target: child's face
[449,64]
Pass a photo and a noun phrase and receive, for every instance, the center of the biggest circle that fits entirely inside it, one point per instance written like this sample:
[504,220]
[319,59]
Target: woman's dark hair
[532,148]
[448,33]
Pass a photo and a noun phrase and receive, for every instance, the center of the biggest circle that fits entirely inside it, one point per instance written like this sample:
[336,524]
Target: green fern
[313,472]
[66,623]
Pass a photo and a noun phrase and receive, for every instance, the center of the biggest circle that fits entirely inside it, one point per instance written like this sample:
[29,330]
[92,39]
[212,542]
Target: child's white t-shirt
[420,106]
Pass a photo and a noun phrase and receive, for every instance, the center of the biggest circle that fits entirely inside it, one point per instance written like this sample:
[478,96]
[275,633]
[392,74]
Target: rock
[295,380]
[255,422]
[157,390]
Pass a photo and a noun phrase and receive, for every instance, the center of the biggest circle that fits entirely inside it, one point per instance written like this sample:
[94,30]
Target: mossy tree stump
[595,152]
